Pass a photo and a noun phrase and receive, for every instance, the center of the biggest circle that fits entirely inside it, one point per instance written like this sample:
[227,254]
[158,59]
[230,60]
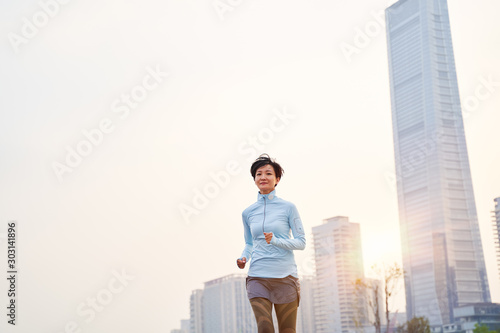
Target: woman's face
[265,179]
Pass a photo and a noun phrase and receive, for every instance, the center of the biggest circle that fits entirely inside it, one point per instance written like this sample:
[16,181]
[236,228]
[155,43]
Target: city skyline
[165,99]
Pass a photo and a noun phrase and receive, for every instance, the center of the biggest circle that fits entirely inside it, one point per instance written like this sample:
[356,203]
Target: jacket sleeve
[247,251]
[299,238]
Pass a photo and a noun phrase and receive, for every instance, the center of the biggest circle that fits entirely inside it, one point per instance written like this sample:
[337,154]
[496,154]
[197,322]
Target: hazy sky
[160,96]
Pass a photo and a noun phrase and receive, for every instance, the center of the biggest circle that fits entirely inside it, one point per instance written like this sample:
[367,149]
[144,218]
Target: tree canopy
[416,325]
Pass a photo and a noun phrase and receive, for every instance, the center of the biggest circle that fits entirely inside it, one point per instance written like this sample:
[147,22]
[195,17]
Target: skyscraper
[339,262]
[442,251]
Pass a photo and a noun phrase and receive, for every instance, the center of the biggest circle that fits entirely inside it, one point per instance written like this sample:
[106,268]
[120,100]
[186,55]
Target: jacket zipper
[264,221]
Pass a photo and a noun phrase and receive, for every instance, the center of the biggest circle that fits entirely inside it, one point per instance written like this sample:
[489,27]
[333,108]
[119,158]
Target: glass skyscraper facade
[442,252]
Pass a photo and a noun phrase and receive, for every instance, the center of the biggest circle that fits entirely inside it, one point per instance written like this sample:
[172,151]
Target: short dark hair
[263,160]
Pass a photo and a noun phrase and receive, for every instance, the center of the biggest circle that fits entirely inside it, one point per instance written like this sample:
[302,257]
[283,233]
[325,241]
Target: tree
[376,291]
[392,275]
[369,291]
[483,329]
[416,325]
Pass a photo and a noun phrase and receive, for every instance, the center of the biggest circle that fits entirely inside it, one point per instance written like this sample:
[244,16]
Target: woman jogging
[272,276]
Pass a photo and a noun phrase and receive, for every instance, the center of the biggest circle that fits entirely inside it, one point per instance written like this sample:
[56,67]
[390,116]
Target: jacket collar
[269,196]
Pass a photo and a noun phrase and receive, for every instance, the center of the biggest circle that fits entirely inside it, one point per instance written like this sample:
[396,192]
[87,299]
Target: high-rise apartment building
[305,312]
[196,311]
[185,327]
[442,251]
[226,308]
[339,263]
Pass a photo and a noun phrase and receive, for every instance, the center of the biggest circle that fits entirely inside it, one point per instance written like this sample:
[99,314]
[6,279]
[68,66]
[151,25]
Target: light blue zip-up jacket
[272,214]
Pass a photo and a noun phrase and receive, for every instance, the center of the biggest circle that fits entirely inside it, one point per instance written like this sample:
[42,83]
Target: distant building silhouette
[467,316]
[196,311]
[496,230]
[184,327]
[339,262]
[305,313]
[224,306]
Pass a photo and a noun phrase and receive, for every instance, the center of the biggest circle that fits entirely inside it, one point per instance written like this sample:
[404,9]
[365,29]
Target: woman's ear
[277,181]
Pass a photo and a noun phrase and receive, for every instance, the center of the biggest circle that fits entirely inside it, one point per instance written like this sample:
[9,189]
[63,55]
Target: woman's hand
[269,236]
[241,262]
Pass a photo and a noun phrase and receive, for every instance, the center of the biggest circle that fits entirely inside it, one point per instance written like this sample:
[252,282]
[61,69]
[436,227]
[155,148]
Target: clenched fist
[269,236]
[241,262]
